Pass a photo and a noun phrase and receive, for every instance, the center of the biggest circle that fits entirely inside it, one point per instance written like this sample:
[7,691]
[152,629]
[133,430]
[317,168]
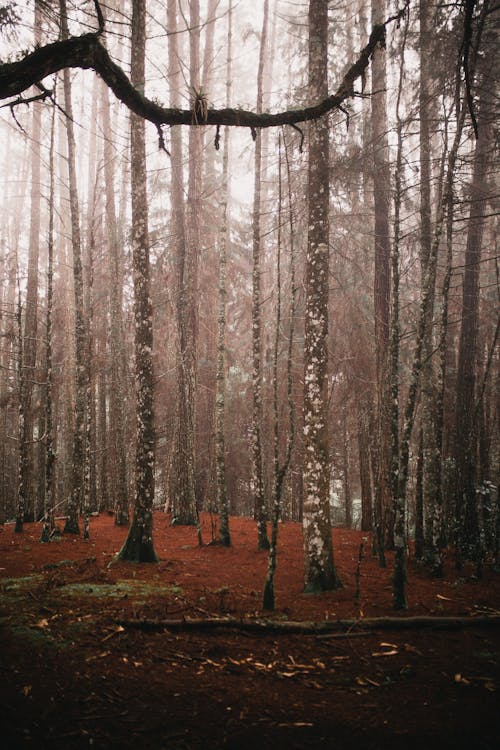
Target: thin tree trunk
[50,454]
[220,443]
[436,559]
[75,500]
[26,500]
[346,472]
[364,467]
[431,488]
[116,334]
[381,194]
[465,417]
[257,481]
[280,469]
[399,503]
[187,240]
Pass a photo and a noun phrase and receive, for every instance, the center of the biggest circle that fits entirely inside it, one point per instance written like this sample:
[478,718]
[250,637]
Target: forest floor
[74,672]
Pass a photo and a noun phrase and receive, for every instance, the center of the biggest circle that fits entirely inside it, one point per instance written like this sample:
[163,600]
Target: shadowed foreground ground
[72,676]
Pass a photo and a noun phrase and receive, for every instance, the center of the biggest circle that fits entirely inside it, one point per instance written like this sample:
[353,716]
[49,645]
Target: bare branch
[87,52]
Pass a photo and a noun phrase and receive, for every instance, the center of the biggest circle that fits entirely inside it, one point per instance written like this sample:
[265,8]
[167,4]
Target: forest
[249,372]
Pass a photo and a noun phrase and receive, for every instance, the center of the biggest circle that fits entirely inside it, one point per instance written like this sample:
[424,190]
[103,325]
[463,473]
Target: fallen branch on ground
[313,628]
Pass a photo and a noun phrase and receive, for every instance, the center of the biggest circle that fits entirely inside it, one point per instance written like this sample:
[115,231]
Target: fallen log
[313,628]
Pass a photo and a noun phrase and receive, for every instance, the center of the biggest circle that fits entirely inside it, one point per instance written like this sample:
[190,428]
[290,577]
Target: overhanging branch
[87,52]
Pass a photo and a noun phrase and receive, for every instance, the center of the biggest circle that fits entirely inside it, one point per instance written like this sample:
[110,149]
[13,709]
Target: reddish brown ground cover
[72,676]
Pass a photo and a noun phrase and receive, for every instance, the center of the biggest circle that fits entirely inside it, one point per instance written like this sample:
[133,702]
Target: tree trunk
[26,503]
[220,384]
[399,502]
[431,488]
[364,466]
[465,417]
[75,500]
[187,242]
[280,468]
[116,334]
[319,574]
[257,480]
[138,545]
[346,472]
[381,194]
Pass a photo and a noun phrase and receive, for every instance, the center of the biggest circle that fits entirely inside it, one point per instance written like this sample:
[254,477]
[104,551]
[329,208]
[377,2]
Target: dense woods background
[296,322]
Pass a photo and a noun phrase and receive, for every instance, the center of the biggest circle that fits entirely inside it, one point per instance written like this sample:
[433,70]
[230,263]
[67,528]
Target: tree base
[71,527]
[323,582]
[18,528]
[138,547]
[268,602]
[45,535]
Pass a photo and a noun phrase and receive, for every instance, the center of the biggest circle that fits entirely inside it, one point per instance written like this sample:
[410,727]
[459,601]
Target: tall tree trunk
[220,381]
[9,466]
[465,416]
[26,500]
[319,573]
[280,468]
[437,526]
[116,333]
[92,241]
[431,451]
[75,500]
[138,545]
[50,455]
[257,481]
[399,503]
[381,195]
[187,239]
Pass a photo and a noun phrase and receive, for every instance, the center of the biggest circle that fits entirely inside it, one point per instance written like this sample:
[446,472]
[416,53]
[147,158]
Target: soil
[74,674]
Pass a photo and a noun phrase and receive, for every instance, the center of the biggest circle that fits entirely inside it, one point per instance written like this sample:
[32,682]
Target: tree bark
[465,415]
[431,487]
[315,628]
[220,380]
[257,480]
[116,333]
[319,573]
[26,503]
[364,466]
[86,52]
[382,293]
[280,468]
[138,545]
[75,500]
